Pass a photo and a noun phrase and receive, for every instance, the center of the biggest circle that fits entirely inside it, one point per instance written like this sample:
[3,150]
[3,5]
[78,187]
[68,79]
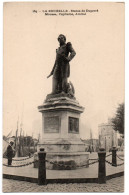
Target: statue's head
[61,38]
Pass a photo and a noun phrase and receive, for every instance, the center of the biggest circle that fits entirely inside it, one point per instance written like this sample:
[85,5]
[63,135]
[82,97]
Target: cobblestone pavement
[112,185]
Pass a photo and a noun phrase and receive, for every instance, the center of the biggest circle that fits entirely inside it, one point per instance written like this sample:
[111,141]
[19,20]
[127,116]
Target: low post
[114,161]
[102,166]
[42,167]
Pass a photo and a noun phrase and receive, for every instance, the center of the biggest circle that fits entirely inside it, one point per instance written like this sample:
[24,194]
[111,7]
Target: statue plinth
[61,132]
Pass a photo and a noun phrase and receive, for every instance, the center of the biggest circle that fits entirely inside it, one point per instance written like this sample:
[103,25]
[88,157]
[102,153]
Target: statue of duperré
[61,68]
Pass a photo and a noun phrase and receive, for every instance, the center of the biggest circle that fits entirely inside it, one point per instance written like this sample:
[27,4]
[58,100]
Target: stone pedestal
[61,132]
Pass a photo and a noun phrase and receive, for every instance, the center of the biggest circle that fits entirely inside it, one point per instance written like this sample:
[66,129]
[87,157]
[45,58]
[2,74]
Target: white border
[126,80]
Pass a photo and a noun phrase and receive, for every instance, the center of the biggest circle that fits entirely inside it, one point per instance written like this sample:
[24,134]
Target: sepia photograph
[63,97]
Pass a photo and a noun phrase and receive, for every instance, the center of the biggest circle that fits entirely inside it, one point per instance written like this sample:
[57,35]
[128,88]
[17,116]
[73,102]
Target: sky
[97,71]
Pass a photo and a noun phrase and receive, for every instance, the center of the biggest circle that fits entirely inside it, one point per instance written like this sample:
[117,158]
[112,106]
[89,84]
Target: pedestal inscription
[73,125]
[51,124]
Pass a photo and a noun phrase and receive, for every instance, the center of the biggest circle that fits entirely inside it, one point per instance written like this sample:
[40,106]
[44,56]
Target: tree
[118,120]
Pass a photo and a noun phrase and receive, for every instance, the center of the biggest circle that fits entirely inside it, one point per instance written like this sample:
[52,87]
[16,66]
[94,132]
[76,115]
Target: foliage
[118,120]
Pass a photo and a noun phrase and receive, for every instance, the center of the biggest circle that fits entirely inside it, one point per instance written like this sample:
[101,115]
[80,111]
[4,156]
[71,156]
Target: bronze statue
[61,68]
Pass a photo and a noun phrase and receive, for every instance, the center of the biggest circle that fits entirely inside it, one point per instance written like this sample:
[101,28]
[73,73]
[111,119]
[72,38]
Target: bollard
[114,163]
[102,166]
[42,167]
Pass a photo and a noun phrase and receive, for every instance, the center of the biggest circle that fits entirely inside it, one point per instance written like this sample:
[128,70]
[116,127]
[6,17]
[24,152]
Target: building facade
[107,136]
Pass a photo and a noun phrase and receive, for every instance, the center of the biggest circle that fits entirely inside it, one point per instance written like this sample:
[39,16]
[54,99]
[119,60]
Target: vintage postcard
[63,96]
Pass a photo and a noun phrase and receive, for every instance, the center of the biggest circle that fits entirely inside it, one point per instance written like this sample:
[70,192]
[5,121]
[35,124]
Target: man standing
[10,153]
[61,69]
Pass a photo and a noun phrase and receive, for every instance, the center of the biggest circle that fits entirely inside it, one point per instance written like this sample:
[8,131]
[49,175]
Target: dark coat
[61,67]
[10,153]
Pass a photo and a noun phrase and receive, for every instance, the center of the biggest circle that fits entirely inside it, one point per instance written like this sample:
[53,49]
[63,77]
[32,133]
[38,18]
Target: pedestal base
[65,161]
[64,154]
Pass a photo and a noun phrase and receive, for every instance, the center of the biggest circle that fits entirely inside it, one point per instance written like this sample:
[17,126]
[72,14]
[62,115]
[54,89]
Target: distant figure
[10,153]
[61,68]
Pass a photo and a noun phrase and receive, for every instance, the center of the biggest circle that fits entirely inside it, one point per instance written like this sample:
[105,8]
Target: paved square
[113,185]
